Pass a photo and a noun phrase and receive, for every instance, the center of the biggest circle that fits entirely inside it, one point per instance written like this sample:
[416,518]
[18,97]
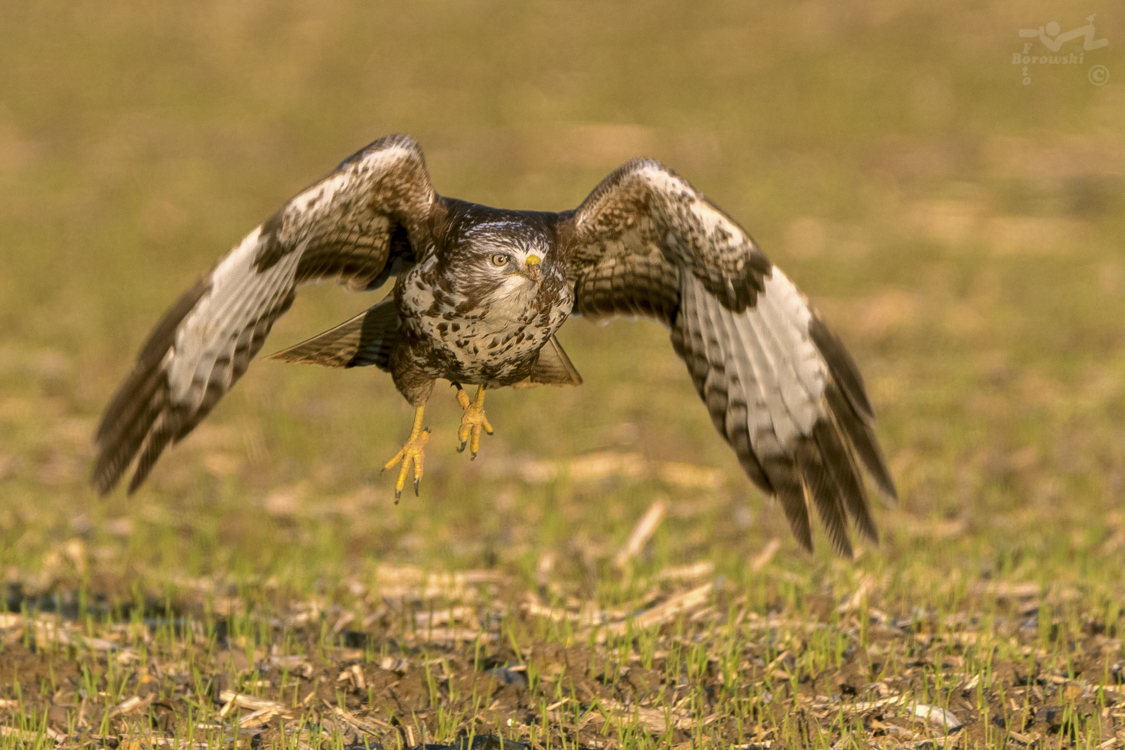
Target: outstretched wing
[779,386]
[356,226]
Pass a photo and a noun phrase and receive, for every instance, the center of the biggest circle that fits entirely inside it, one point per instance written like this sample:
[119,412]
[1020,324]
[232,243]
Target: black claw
[416,482]
[398,496]
[474,456]
[463,444]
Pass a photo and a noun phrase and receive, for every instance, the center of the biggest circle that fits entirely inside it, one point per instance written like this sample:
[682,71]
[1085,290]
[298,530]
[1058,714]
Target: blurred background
[956,217]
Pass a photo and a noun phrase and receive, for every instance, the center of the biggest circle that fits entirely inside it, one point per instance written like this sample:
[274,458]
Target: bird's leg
[412,452]
[472,421]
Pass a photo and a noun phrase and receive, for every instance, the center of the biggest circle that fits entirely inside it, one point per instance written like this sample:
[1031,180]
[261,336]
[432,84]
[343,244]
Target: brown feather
[862,439]
[785,478]
[845,475]
[823,492]
[552,368]
[843,367]
[363,340]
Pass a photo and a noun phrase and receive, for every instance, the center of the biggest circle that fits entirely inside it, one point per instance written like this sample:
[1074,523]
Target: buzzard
[478,297]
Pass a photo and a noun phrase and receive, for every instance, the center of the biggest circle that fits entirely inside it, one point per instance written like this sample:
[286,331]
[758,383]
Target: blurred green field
[961,231]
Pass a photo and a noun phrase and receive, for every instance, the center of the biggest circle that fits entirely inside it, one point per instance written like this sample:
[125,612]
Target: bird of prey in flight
[479,294]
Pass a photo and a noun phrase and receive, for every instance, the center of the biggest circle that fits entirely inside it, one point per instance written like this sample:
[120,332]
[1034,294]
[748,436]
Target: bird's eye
[499,259]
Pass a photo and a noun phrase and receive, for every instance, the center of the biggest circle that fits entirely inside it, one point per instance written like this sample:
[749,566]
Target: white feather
[756,345]
[746,354]
[762,356]
[781,320]
[212,329]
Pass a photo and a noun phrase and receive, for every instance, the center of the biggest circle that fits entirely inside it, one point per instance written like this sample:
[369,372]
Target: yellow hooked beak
[532,264]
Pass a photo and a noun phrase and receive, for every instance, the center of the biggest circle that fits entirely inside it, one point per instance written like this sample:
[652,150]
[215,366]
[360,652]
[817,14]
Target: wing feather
[846,475]
[821,488]
[778,385]
[366,339]
[356,226]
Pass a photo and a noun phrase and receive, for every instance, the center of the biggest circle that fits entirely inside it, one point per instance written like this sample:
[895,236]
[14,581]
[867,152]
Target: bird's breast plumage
[479,335]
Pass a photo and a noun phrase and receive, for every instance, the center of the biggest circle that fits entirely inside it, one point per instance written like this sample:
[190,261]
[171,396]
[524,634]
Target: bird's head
[509,256]
[499,257]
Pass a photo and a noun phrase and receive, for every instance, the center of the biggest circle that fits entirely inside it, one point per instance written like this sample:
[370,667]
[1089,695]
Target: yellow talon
[412,453]
[473,420]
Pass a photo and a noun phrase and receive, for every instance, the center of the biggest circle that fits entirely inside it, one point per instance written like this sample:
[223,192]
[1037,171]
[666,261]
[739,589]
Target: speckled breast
[493,342]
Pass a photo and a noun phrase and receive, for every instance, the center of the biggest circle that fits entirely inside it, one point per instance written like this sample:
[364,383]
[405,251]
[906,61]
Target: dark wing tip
[159,341]
[841,441]
[851,407]
[127,429]
[861,437]
[843,368]
[139,400]
[845,477]
[789,489]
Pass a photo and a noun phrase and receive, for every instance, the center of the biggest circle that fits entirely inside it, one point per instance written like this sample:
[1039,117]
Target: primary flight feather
[478,297]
